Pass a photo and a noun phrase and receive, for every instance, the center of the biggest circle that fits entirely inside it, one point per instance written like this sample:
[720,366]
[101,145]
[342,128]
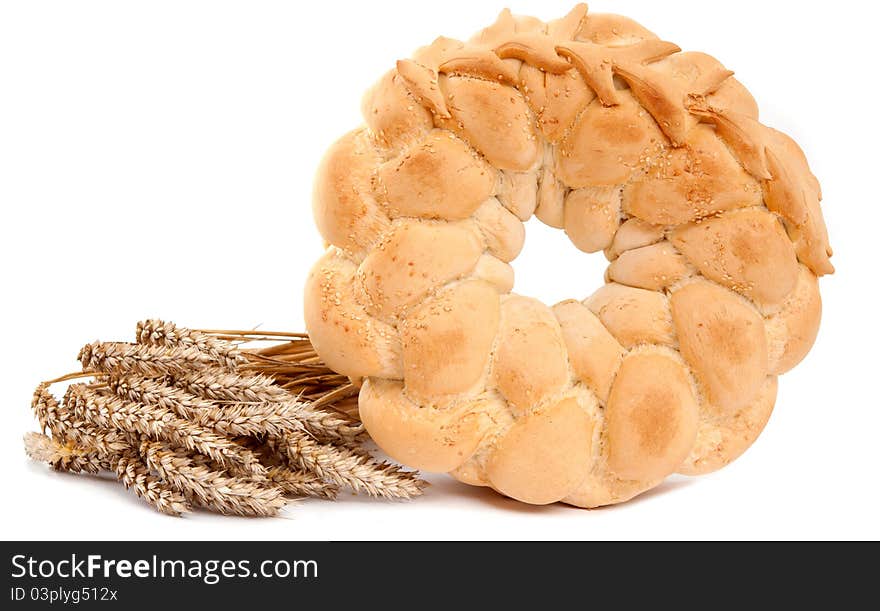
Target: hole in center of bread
[552,269]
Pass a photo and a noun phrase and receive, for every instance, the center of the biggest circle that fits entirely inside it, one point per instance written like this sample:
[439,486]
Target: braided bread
[710,221]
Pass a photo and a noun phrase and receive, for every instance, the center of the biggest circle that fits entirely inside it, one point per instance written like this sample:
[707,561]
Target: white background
[156,159]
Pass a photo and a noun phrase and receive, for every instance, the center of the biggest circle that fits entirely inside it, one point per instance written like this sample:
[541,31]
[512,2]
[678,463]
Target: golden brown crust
[394,117]
[593,352]
[530,363]
[746,251]
[698,179]
[634,316]
[710,220]
[345,209]
[543,455]
[651,418]
[494,119]
[440,178]
[348,339]
[399,271]
[447,338]
[723,340]
[792,330]
[607,144]
[655,267]
[592,217]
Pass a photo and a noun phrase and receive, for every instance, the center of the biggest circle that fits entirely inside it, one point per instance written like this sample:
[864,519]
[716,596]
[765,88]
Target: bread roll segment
[392,114]
[400,271]
[696,180]
[723,340]
[792,330]
[343,203]
[440,177]
[655,267]
[634,316]
[745,250]
[424,437]
[711,222]
[447,338]
[543,455]
[530,361]
[348,339]
[592,217]
[593,352]
[651,418]
[494,119]
[502,231]
[607,143]
[721,441]
[633,233]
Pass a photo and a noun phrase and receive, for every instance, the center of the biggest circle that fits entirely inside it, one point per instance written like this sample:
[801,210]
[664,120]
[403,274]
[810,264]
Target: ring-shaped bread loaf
[710,221]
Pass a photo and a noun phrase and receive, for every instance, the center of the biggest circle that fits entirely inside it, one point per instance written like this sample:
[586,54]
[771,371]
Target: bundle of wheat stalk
[190,418]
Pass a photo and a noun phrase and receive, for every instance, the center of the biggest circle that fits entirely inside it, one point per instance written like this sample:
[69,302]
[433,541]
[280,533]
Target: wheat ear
[103,449]
[298,483]
[135,475]
[64,456]
[231,419]
[106,409]
[147,360]
[161,333]
[188,418]
[209,488]
[258,390]
[351,468]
